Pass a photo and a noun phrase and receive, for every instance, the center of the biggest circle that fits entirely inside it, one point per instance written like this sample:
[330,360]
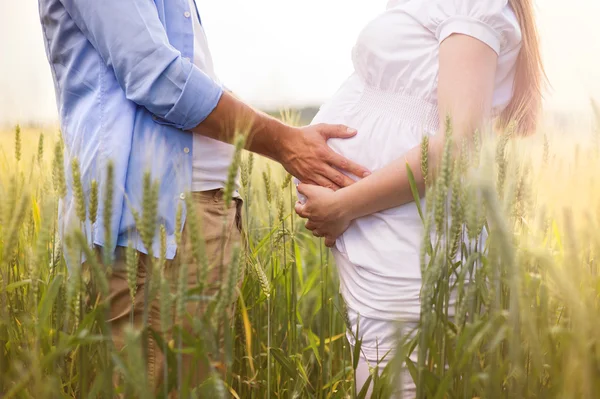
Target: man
[135,86]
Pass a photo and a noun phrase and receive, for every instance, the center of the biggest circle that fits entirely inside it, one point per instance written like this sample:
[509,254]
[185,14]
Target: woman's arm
[467,73]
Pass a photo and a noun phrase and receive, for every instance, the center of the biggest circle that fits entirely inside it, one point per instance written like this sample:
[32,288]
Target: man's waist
[202,182]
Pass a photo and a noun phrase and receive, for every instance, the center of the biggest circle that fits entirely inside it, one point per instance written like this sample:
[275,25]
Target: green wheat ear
[501,163]
[477,144]
[286,181]
[41,248]
[78,191]
[267,181]
[244,175]
[131,264]
[425,159]
[40,154]
[262,278]
[456,211]
[250,164]
[18,143]
[58,171]
[149,212]
[107,211]
[446,163]
[280,207]
[11,237]
[464,156]
[443,181]
[239,142]
[94,202]
[163,248]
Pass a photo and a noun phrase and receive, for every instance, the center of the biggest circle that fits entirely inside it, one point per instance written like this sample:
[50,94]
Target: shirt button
[188,59]
[182,196]
[187,14]
[186,150]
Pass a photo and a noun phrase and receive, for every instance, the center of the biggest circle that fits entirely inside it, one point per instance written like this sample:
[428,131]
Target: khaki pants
[221,228]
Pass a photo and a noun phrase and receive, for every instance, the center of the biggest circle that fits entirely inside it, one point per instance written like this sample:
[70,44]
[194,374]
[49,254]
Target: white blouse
[391,99]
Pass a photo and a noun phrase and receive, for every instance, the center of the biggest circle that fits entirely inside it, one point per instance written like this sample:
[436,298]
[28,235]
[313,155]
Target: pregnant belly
[388,124]
[385,244]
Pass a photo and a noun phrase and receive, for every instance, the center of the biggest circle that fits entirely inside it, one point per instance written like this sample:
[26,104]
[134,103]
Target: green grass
[525,326]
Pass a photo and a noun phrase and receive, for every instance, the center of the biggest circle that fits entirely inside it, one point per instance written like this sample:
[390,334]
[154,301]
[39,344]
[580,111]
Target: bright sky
[275,53]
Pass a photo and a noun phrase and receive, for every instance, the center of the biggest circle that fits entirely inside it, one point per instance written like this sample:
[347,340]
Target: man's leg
[221,232]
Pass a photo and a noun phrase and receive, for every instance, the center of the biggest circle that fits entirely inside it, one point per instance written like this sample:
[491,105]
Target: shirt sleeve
[493,22]
[132,41]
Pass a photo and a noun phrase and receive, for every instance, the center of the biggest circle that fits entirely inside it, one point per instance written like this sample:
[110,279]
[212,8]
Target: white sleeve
[491,21]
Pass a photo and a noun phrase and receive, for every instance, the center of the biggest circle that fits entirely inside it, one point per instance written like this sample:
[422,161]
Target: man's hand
[305,154]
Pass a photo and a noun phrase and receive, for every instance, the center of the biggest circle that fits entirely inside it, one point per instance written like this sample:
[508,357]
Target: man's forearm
[302,151]
[265,135]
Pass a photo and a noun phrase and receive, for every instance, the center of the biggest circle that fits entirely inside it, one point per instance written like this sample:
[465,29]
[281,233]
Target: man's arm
[131,39]
[302,151]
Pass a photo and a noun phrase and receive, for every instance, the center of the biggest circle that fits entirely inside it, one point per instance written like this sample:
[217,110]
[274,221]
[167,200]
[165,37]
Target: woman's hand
[324,211]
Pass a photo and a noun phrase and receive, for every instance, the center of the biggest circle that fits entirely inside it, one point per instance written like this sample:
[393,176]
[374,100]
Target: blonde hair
[530,79]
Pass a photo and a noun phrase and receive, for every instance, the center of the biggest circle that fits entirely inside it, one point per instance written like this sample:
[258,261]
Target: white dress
[391,99]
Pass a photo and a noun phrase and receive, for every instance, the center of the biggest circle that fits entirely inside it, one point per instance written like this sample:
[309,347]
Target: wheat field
[525,323]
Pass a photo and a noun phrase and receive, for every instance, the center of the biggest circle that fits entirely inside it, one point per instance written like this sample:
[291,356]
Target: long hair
[530,79]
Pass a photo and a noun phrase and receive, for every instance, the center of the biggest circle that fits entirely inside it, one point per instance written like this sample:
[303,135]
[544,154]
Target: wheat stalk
[18,143]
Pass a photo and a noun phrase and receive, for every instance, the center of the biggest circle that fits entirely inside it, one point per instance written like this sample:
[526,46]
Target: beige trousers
[221,228]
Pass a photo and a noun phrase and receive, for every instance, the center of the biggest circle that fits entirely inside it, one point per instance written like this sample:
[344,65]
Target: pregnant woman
[477,61]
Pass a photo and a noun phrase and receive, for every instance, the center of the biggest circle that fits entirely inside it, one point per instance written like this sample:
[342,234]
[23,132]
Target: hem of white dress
[367,311]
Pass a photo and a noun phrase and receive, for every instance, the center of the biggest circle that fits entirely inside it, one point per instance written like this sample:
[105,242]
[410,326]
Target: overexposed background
[277,53]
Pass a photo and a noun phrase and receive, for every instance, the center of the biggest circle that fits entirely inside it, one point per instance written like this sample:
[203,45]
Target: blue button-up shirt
[127,92]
